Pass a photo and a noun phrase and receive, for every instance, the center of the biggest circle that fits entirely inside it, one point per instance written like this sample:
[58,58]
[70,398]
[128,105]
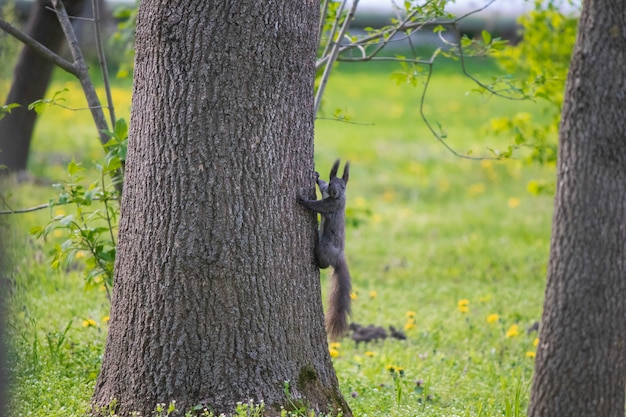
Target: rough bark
[30,81]
[216,297]
[581,358]
[4,289]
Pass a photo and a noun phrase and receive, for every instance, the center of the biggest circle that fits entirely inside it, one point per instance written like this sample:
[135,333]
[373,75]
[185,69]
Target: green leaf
[121,129]
[4,110]
[36,231]
[66,220]
[38,106]
[486,36]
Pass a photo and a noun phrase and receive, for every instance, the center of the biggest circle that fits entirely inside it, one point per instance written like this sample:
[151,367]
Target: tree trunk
[581,358]
[217,299]
[30,82]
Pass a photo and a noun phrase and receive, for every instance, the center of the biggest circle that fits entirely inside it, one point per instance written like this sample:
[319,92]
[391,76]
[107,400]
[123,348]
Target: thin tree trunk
[581,359]
[30,82]
[216,297]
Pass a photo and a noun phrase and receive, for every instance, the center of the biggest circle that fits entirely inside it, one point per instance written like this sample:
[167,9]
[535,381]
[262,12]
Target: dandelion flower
[335,345]
[106,319]
[393,369]
[388,196]
[486,164]
[411,314]
[513,202]
[353,295]
[476,189]
[370,353]
[536,342]
[513,331]
[334,353]
[373,294]
[410,324]
[359,202]
[531,354]
[492,318]
[89,323]
[463,305]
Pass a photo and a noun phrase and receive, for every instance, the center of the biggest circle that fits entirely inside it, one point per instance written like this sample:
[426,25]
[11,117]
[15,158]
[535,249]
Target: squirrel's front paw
[317,175]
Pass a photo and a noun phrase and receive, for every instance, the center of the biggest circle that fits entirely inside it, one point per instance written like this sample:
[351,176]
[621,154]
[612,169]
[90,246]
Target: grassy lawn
[451,250]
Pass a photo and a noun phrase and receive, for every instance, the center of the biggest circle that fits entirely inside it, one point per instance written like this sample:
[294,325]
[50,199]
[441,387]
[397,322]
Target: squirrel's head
[337,186]
[346,171]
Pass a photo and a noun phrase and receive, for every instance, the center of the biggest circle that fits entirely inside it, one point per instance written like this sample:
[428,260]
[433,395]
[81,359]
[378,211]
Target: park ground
[452,251]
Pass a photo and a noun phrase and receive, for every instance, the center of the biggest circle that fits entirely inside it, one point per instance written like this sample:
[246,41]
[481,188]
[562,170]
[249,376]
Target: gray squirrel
[329,248]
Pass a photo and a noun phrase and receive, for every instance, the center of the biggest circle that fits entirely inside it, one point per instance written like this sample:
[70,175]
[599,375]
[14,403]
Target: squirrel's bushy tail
[339,301]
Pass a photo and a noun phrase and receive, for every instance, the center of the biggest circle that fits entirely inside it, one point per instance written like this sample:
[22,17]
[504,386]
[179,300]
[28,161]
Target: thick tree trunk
[216,298]
[581,359]
[30,82]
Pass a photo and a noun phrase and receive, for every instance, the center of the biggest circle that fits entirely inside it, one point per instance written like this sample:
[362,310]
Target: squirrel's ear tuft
[334,169]
[346,172]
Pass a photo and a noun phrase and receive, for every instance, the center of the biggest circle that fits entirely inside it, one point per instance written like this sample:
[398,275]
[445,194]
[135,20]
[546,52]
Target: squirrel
[329,248]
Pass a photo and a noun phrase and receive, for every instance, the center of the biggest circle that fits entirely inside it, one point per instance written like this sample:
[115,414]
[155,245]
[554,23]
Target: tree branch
[333,54]
[85,80]
[83,71]
[38,47]
[45,206]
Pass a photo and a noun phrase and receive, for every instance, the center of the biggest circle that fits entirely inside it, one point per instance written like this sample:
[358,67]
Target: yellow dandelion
[373,294]
[410,314]
[79,254]
[513,331]
[334,353]
[335,345]
[416,168]
[513,202]
[89,323]
[394,368]
[492,318]
[410,324]
[106,319]
[536,342]
[353,295]
[388,196]
[443,184]
[476,189]
[531,354]
[463,305]
[370,353]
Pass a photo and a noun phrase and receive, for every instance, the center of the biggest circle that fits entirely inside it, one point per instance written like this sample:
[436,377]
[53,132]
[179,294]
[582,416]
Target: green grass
[427,229]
